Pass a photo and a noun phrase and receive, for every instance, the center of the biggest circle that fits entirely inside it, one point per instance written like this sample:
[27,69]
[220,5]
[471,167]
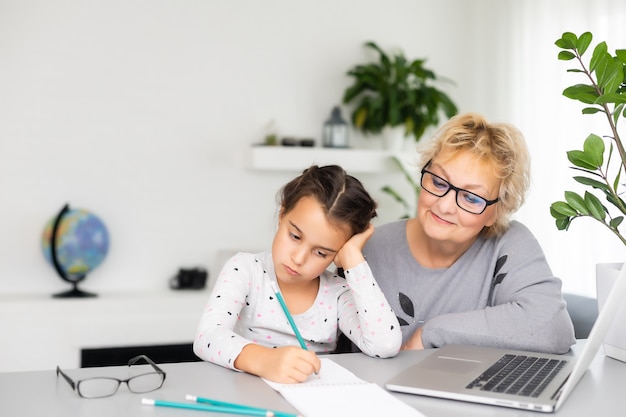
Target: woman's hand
[286,364]
[350,254]
[414,342]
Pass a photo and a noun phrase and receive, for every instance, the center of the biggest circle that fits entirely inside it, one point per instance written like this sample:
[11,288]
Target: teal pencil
[234,405]
[211,408]
[281,300]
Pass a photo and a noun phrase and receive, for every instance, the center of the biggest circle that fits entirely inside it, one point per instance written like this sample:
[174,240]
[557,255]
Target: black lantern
[335,130]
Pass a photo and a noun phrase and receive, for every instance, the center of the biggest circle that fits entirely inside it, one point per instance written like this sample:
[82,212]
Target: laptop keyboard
[518,374]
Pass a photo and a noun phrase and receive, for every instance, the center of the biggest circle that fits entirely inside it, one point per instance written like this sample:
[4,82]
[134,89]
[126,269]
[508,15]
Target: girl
[324,217]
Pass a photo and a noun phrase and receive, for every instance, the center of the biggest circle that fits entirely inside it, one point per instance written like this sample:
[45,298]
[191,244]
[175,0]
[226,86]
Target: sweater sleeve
[215,339]
[365,316]
[525,309]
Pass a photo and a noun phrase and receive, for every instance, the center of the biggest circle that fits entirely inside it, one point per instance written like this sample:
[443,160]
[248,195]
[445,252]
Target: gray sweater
[500,292]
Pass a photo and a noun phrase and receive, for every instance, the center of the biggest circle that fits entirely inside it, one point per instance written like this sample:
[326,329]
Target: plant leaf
[560,209]
[583,42]
[568,41]
[396,196]
[594,148]
[592,183]
[566,56]
[614,223]
[563,223]
[611,98]
[591,110]
[599,54]
[596,208]
[576,202]
[582,160]
[581,92]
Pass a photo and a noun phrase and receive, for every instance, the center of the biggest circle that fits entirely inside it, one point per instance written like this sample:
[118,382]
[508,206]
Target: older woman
[460,271]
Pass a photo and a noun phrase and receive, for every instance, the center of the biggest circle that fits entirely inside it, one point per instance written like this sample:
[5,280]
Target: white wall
[141,112]
[531,80]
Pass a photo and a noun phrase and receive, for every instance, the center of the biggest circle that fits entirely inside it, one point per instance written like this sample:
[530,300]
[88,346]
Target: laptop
[508,378]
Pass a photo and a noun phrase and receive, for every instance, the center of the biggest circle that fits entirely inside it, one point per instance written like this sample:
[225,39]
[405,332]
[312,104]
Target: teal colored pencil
[211,408]
[234,405]
[281,300]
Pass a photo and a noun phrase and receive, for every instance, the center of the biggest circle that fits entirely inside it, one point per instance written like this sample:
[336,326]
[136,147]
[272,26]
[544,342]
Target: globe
[75,242]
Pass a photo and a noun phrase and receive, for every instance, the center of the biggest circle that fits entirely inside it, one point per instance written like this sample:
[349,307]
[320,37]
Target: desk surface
[600,391]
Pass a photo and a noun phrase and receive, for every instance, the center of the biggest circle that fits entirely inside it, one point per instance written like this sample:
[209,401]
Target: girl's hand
[350,254]
[286,364]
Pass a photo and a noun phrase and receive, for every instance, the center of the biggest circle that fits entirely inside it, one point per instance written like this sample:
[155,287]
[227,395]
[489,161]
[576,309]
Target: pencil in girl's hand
[234,405]
[292,323]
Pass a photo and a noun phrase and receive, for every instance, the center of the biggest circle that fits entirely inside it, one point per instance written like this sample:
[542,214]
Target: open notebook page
[338,392]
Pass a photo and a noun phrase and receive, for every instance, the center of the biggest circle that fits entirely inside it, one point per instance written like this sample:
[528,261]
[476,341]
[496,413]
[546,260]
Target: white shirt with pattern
[243,309]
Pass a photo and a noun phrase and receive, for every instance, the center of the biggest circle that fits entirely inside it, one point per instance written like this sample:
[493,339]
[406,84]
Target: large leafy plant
[395,91]
[601,167]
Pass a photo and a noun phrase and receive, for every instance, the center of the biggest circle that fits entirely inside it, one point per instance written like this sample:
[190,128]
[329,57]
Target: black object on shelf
[189,279]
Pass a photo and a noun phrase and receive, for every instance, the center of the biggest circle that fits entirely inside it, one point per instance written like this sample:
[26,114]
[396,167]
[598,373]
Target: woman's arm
[525,310]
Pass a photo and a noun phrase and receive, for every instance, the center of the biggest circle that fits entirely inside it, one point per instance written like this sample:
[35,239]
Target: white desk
[599,393]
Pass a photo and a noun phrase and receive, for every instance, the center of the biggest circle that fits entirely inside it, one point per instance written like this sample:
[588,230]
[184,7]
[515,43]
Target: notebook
[338,392]
[481,374]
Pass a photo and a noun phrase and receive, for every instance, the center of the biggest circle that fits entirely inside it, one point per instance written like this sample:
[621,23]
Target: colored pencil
[211,408]
[234,405]
[283,305]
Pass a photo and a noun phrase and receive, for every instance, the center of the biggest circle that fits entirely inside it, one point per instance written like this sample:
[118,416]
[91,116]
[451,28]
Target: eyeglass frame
[456,190]
[76,384]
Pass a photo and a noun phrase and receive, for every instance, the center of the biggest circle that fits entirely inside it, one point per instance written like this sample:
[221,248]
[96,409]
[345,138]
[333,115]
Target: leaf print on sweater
[497,278]
[407,307]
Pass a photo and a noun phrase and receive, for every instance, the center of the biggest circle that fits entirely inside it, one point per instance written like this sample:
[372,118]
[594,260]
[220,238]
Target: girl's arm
[365,316]
[215,339]
[217,342]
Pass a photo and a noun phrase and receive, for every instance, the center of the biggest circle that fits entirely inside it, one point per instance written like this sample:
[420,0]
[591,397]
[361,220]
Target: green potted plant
[396,92]
[407,203]
[601,168]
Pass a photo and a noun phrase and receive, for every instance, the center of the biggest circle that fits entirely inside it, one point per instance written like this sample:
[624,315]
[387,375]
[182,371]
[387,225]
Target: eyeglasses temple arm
[147,359]
[66,377]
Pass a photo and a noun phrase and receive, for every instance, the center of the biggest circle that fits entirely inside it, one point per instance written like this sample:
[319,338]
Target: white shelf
[298,158]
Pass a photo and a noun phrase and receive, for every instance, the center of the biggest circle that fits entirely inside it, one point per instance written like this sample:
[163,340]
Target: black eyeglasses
[468,201]
[102,386]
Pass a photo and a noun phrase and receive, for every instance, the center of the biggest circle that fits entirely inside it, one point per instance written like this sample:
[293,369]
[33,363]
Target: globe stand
[74,293]
[74,280]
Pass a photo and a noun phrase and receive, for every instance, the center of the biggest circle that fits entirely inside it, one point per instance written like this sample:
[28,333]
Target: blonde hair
[501,146]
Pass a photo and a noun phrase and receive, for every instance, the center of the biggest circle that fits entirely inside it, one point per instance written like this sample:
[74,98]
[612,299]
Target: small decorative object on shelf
[307,142]
[335,132]
[75,242]
[289,141]
[189,279]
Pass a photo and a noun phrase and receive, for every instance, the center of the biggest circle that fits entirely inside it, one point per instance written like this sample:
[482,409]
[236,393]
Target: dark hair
[343,198]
